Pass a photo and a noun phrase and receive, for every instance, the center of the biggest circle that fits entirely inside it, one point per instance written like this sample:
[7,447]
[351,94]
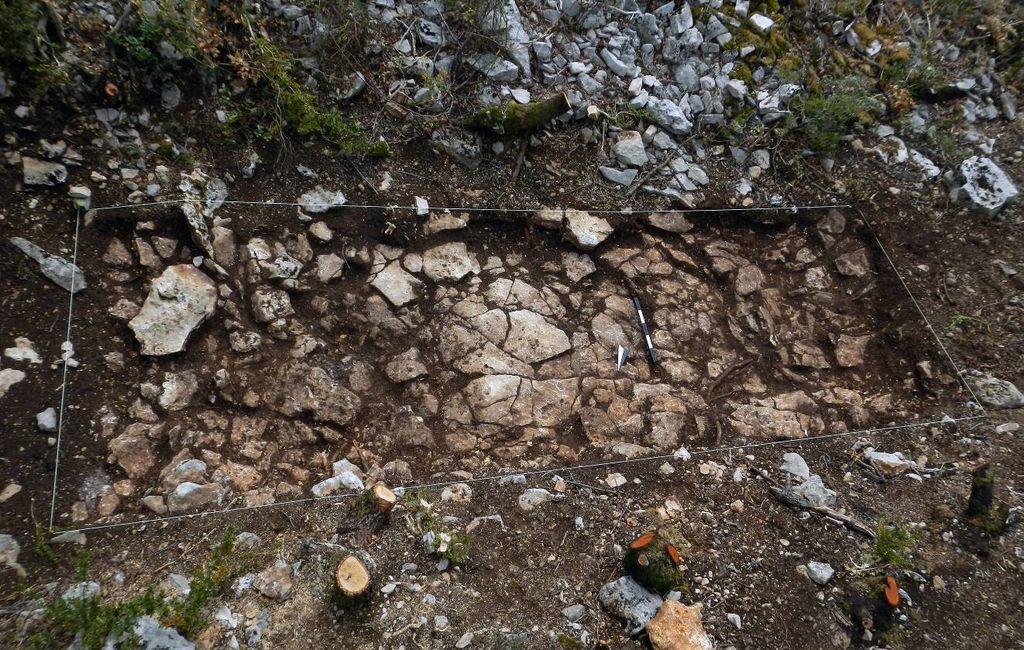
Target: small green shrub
[26,48]
[894,543]
[93,619]
[825,117]
[294,107]
[422,520]
[182,24]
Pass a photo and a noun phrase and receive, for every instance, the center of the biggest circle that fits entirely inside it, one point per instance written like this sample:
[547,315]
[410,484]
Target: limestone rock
[531,338]
[8,378]
[300,388]
[625,598]
[396,284]
[178,389]
[321,200]
[449,262]
[275,581]
[674,222]
[996,393]
[190,496]
[586,231]
[57,269]
[678,627]
[132,450]
[986,186]
[37,172]
[405,367]
[9,551]
[178,303]
[270,304]
[629,149]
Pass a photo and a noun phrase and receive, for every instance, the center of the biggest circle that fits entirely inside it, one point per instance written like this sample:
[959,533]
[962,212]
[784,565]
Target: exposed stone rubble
[485,354]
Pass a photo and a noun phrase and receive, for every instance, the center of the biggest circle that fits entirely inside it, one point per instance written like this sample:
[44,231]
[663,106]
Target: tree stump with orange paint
[654,562]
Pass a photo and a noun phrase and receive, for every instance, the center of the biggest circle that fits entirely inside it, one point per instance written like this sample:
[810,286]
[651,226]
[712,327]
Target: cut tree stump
[368,513]
[351,582]
[652,561]
[383,498]
[520,119]
[984,514]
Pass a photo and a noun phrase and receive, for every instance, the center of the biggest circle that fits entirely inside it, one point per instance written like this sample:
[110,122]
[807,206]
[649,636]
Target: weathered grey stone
[531,338]
[996,393]
[269,304]
[57,269]
[494,68]
[625,598]
[460,144]
[820,572]
[396,284]
[178,389]
[986,186]
[674,222]
[190,496]
[37,172]
[586,231]
[669,116]
[178,303]
[629,149]
[618,176]
[405,367]
[450,262]
[320,200]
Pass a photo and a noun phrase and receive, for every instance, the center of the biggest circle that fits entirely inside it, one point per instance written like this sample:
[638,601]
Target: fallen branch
[732,368]
[518,119]
[794,500]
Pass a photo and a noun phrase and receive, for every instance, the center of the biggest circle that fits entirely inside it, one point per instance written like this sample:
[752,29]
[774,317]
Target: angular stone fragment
[531,338]
[270,304]
[132,450]
[450,262]
[986,186]
[584,230]
[190,496]
[628,600]
[405,367]
[300,388]
[37,172]
[678,627]
[674,222]
[320,200]
[396,284]
[178,303]
[57,269]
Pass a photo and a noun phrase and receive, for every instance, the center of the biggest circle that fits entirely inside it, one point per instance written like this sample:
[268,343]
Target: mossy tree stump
[653,561]
[986,517]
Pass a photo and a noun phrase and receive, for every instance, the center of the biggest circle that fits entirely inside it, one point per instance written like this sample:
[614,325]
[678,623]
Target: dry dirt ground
[556,406]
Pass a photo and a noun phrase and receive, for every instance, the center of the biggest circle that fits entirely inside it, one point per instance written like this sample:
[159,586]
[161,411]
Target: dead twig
[796,501]
[733,368]
[519,159]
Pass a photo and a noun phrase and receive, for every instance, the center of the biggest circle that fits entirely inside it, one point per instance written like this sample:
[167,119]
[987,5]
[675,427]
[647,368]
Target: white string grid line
[331,206]
[569,468]
[66,355]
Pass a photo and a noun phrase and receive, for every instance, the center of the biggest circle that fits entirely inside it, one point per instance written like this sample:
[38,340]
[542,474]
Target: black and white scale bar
[643,328]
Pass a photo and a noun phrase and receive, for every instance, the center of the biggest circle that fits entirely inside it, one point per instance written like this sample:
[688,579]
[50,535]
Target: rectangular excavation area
[406,348]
